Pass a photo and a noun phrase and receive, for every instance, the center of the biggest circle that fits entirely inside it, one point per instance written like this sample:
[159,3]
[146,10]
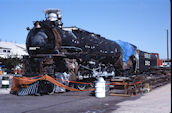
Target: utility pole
[167,49]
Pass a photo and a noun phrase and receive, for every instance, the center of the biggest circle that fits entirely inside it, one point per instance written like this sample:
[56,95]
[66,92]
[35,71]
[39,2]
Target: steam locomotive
[74,54]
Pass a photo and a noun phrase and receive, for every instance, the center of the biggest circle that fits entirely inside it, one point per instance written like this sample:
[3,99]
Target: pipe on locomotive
[54,15]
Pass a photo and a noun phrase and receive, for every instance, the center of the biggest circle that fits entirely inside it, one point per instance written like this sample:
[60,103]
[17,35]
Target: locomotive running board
[44,55]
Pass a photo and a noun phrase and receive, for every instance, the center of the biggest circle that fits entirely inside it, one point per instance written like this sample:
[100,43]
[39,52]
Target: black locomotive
[80,54]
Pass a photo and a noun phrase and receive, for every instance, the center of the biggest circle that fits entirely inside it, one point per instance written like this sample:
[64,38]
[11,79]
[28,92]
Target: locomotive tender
[72,53]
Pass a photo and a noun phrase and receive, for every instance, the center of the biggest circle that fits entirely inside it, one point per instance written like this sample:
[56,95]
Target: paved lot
[58,103]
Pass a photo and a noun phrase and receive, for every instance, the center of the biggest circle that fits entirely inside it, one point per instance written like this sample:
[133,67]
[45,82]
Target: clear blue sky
[140,22]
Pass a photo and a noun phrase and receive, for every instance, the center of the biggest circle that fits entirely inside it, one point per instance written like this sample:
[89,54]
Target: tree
[10,63]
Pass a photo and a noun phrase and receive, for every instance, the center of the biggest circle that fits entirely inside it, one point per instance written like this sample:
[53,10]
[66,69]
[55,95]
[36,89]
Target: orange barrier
[124,83]
[62,80]
[35,77]
[118,83]
[19,82]
[139,82]
[75,81]
[52,80]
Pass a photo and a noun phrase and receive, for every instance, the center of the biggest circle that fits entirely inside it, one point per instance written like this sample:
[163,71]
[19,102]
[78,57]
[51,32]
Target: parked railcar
[146,61]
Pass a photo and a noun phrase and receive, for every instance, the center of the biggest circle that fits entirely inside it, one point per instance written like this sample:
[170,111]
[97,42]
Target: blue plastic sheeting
[127,50]
[2,65]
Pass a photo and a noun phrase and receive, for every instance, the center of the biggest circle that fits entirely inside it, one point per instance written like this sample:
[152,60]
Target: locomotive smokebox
[40,42]
[44,38]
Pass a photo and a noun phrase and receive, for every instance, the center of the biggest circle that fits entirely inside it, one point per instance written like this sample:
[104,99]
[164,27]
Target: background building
[13,50]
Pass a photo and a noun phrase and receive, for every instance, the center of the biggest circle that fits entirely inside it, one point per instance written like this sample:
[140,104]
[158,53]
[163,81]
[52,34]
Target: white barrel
[5,82]
[4,73]
[100,90]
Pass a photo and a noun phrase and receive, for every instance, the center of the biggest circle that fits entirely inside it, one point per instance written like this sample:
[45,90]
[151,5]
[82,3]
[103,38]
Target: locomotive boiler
[74,54]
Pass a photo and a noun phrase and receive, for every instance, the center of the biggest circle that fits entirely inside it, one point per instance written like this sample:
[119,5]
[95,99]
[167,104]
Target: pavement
[70,102]
[157,101]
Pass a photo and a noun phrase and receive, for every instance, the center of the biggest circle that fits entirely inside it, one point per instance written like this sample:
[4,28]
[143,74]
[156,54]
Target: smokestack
[54,15]
[167,49]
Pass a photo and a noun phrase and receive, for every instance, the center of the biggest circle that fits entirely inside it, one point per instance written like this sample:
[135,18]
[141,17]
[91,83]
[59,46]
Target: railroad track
[140,84]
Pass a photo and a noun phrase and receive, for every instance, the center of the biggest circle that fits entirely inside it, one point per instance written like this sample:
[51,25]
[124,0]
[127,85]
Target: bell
[37,25]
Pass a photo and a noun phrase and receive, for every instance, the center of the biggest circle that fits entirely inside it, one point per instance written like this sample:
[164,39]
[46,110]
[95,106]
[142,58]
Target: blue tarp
[2,65]
[127,50]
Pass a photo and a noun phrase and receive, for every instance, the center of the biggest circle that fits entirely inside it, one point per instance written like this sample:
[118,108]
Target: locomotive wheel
[72,85]
[81,86]
[45,87]
[91,85]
